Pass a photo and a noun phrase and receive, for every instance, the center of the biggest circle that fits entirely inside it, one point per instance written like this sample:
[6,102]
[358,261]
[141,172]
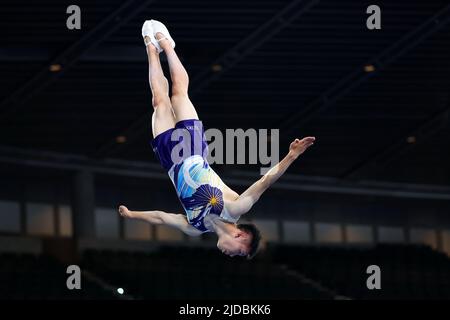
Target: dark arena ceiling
[299,66]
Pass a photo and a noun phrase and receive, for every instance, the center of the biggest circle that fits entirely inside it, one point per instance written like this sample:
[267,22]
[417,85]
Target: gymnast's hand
[124,212]
[297,147]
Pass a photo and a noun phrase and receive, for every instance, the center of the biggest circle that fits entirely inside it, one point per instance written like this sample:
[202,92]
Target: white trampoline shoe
[147,31]
[160,27]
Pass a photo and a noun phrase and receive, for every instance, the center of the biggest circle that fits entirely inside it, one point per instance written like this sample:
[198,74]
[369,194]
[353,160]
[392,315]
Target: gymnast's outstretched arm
[250,196]
[177,221]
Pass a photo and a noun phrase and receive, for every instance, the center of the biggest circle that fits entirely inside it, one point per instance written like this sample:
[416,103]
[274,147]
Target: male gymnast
[210,205]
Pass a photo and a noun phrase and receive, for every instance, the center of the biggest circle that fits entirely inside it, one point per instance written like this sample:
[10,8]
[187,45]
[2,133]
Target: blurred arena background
[75,132]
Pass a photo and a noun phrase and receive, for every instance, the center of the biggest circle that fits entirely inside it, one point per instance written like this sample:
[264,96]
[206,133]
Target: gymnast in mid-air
[210,205]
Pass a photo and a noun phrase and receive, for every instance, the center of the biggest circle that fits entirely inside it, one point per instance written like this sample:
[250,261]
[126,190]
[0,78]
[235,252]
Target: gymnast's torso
[200,191]
[199,188]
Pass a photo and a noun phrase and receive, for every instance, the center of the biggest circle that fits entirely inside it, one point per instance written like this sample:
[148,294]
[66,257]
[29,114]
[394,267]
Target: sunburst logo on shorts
[206,197]
[213,201]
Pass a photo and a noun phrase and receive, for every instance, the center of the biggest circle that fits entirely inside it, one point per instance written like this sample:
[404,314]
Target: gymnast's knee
[180,86]
[179,97]
[161,102]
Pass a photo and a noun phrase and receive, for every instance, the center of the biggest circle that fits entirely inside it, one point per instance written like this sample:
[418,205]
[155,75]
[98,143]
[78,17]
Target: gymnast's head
[240,240]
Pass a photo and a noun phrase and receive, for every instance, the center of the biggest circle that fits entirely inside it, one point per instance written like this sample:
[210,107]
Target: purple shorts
[189,138]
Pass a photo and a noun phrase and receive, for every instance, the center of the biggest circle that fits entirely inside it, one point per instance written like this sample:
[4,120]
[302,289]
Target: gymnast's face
[236,244]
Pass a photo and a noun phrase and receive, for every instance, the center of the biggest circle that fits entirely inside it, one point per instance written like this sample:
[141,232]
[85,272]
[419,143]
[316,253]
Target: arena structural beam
[358,76]
[83,200]
[17,99]
[103,53]
[116,167]
[226,61]
[383,157]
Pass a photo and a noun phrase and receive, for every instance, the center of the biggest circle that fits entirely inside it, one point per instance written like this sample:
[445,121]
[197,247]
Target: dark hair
[256,238]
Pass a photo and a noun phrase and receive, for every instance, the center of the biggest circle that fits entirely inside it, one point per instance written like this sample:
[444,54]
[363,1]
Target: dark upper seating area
[171,272]
[27,276]
[196,273]
[407,271]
